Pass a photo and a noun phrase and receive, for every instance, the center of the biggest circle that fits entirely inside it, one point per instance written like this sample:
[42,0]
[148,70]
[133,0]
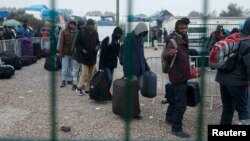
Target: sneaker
[138,117]
[181,134]
[69,82]
[74,87]
[79,92]
[63,84]
[86,92]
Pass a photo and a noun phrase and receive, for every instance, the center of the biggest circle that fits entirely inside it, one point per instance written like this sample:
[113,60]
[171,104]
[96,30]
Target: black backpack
[6,71]
[53,63]
[99,88]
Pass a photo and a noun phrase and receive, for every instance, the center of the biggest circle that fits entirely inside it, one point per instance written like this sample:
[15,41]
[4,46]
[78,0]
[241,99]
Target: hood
[71,22]
[140,27]
[246,27]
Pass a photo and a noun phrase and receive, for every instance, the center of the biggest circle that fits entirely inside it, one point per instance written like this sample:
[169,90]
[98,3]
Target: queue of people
[79,48]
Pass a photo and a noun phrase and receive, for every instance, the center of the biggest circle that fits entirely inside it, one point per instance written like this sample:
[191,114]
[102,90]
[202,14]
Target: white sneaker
[79,92]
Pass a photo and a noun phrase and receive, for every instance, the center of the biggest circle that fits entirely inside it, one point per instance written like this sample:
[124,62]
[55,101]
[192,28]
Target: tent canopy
[36,7]
[12,22]
[4,13]
[50,14]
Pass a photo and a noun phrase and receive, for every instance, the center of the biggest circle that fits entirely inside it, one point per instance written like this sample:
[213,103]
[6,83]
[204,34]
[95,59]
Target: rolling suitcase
[26,47]
[37,51]
[124,100]
[193,93]
[149,84]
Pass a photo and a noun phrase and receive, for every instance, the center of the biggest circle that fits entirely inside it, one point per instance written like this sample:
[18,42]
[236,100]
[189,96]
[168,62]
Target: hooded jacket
[66,39]
[133,59]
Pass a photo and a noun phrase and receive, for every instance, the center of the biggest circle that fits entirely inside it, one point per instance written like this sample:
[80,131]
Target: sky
[147,7]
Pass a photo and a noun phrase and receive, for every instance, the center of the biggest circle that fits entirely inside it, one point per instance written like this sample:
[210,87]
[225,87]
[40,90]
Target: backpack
[224,54]
[99,87]
[165,65]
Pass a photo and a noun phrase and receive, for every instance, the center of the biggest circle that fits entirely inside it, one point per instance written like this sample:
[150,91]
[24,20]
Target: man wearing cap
[75,54]
[179,74]
[87,43]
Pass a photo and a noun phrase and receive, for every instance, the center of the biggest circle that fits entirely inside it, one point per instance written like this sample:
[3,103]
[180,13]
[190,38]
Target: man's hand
[172,52]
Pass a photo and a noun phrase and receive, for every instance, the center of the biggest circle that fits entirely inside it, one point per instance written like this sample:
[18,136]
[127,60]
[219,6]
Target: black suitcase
[193,93]
[149,84]
[125,102]
[99,89]
[6,71]
[37,51]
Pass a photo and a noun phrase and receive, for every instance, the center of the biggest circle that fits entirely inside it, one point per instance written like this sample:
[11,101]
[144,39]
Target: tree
[21,16]
[142,15]
[213,14]
[93,13]
[107,13]
[247,12]
[233,10]
[195,14]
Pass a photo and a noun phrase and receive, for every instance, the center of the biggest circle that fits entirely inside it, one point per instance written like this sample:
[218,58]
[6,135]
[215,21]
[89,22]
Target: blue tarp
[4,13]
[47,14]
[105,23]
[36,7]
[133,18]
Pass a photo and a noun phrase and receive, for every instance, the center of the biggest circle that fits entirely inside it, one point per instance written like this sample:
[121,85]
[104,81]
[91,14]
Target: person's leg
[227,105]
[139,79]
[89,74]
[109,73]
[65,63]
[75,72]
[81,82]
[239,96]
[70,71]
[171,106]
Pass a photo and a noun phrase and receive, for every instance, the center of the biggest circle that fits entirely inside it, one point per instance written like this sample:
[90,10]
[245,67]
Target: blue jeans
[67,68]
[110,73]
[75,72]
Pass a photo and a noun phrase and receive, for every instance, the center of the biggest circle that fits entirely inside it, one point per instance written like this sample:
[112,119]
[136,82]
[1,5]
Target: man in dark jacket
[179,75]
[233,85]
[87,43]
[133,59]
[109,54]
[75,53]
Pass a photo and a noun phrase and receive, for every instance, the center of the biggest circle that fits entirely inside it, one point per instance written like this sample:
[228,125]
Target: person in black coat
[109,54]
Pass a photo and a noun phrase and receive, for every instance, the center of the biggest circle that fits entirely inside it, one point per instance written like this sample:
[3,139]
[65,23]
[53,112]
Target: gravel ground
[25,108]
